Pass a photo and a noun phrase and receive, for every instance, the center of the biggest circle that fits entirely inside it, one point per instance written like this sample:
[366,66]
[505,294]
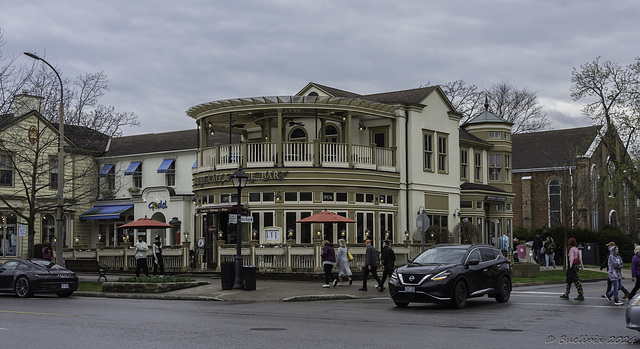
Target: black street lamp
[239,179]
[60,195]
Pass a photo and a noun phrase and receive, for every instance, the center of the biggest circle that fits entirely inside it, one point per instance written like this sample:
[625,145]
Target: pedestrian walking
[536,247]
[575,262]
[328,261]
[522,251]
[141,257]
[635,271]
[371,266]
[605,264]
[550,252]
[157,257]
[342,262]
[615,267]
[388,259]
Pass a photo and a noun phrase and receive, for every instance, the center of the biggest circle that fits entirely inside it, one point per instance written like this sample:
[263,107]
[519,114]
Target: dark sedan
[451,274]
[27,277]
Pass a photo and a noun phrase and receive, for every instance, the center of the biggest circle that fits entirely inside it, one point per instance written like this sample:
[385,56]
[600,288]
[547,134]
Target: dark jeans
[160,263]
[374,273]
[635,288]
[388,270]
[328,277]
[141,263]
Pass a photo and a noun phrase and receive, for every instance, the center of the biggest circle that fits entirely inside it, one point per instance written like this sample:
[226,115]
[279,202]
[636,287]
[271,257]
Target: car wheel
[400,304]
[23,288]
[459,298]
[504,290]
[64,294]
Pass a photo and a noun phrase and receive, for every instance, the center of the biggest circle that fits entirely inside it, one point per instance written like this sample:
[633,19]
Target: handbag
[349,256]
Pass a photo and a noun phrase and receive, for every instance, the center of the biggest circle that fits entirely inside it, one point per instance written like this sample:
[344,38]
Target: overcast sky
[163,57]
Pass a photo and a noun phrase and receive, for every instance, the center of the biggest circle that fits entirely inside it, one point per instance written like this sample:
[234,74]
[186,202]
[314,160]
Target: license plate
[64,286]
[410,289]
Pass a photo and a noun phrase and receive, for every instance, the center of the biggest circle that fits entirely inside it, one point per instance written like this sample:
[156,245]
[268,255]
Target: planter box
[141,287]
[526,270]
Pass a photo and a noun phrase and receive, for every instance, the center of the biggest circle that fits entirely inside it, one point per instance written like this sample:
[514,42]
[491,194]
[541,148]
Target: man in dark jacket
[388,258]
[537,246]
[371,266]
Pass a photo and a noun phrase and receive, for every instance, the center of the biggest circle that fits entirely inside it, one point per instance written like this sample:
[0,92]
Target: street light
[60,195]
[239,179]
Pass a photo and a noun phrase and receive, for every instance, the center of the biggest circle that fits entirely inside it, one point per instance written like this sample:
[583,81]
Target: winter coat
[549,247]
[371,257]
[615,265]
[388,257]
[328,254]
[635,266]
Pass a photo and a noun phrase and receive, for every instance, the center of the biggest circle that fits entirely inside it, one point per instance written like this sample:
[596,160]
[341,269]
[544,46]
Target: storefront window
[8,236]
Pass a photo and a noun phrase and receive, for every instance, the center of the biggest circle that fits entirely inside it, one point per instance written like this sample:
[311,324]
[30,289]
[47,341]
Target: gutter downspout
[573,222]
[406,164]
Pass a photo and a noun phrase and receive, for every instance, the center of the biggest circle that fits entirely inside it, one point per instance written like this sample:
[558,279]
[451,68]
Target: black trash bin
[590,253]
[228,275]
[249,277]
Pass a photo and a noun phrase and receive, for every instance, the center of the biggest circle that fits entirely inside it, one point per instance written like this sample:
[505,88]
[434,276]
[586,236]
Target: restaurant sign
[219,178]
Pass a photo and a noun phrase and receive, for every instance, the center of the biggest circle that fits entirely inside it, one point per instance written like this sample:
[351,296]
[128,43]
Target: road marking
[532,292]
[4,329]
[33,313]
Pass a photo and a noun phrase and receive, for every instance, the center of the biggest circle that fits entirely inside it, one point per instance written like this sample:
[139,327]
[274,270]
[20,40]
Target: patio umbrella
[145,223]
[326,217]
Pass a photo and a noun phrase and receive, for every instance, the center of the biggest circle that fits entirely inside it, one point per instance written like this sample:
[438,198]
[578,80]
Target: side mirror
[410,260]
[473,261]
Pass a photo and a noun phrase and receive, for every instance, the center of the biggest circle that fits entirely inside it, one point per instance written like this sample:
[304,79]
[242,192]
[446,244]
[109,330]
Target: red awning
[326,217]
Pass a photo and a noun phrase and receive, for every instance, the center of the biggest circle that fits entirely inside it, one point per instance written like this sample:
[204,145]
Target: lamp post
[239,179]
[60,195]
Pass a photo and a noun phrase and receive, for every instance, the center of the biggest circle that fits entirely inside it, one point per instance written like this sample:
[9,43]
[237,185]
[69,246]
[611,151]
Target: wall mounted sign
[495,198]
[33,134]
[157,205]
[220,178]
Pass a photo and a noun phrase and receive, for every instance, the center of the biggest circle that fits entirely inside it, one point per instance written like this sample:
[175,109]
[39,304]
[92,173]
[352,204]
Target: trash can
[249,277]
[228,275]
[590,254]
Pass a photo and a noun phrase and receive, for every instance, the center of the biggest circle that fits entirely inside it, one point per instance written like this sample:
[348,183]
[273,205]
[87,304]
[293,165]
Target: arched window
[298,134]
[555,203]
[331,133]
[48,228]
[594,197]
[313,94]
[613,218]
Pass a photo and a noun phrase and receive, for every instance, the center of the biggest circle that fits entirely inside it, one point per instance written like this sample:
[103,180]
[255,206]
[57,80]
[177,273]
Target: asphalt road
[534,317]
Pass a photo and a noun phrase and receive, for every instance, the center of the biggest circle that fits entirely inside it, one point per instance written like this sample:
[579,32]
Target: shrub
[156,279]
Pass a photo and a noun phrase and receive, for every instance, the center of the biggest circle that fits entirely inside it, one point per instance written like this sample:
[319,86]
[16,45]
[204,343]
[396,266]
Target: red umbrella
[146,223]
[326,217]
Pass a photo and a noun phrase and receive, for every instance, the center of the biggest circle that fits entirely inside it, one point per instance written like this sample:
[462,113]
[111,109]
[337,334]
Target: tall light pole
[60,195]
[239,179]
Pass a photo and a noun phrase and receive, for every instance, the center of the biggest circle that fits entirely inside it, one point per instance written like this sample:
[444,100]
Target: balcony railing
[297,154]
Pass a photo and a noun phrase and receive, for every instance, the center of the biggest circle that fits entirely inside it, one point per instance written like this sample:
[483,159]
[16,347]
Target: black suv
[451,274]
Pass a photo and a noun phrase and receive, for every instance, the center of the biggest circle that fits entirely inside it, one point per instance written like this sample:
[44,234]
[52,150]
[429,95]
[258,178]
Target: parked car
[632,315]
[451,274]
[26,277]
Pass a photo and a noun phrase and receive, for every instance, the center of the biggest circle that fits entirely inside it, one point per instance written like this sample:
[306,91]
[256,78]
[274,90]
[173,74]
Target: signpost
[423,223]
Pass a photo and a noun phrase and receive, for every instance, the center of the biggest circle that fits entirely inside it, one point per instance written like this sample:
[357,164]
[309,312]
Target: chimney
[24,103]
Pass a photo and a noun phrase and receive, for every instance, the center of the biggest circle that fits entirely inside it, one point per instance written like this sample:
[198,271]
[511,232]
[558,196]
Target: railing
[297,154]
[281,258]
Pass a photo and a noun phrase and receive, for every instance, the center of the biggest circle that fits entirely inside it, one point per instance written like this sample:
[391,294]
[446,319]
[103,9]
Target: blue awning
[132,168]
[105,212]
[105,170]
[164,166]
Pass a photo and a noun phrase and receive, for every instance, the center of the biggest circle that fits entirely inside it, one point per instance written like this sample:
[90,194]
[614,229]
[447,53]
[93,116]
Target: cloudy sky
[162,57]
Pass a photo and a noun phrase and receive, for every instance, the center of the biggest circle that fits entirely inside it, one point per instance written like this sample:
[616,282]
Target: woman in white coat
[342,262]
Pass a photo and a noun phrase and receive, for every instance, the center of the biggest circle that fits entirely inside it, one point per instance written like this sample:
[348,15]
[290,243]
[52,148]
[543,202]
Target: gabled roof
[167,141]
[411,96]
[549,149]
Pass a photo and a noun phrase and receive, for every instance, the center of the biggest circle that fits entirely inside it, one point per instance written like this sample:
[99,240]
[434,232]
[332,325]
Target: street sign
[233,219]
[22,230]
[423,222]
[246,219]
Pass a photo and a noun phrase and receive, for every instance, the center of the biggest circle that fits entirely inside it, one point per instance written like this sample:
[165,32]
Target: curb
[317,297]
[145,296]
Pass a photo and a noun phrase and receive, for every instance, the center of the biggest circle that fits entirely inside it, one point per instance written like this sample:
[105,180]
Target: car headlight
[394,275]
[441,275]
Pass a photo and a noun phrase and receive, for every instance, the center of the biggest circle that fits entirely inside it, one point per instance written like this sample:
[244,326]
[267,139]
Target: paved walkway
[266,290]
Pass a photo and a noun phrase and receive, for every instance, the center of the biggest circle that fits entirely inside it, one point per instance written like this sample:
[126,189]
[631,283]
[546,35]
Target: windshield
[441,256]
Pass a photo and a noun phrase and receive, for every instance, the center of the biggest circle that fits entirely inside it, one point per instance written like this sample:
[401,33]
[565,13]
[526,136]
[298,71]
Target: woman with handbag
[342,262]
[575,260]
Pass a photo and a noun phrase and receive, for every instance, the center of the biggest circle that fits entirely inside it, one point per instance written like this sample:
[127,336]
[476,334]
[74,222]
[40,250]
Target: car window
[487,254]
[21,266]
[441,256]
[475,254]
[10,265]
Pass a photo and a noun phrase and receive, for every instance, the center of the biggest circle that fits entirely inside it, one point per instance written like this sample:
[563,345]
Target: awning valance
[164,166]
[132,168]
[104,171]
[105,212]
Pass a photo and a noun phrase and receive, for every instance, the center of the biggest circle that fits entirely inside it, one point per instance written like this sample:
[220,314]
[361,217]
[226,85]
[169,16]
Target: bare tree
[519,106]
[615,103]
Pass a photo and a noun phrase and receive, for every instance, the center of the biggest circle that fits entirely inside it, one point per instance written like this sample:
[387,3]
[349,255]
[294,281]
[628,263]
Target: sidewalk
[266,290]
